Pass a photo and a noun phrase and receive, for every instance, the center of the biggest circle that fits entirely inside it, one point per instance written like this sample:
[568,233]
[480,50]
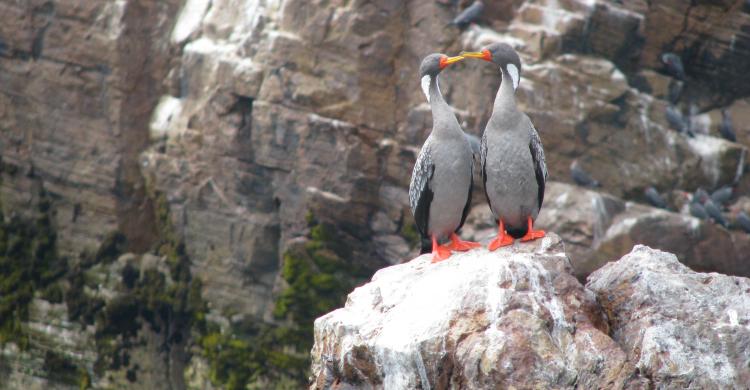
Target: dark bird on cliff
[714,212]
[697,210]
[513,168]
[677,121]
[721,196]
[743,221]
[441,183]
[725,127]
[469,15]
[701,195]
[673,64]
[581,177]
[654,198]
[675,91]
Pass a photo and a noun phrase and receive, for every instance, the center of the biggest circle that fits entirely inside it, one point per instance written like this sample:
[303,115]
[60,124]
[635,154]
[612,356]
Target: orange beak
[482,55]
[445,61]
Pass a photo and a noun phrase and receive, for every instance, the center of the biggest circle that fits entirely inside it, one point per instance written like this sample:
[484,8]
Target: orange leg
[502,239]
[439,252]
[457,244]
[532,234]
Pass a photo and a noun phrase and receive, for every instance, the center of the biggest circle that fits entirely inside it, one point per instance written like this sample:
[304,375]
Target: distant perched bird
[714,212]
[673,64]
[743,220]
[677,121]
[722,195]
[701,195]
[698,211]
[653,197]
[675,91]
[441,183]
[469,15]
[581,177]
[513,167]
[725,128]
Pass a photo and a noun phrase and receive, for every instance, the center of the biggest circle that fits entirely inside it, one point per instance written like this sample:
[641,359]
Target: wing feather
[540,166]
[420,193]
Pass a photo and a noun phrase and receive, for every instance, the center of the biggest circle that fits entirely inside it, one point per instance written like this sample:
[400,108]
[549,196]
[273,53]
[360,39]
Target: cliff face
[268,145]
[517,318]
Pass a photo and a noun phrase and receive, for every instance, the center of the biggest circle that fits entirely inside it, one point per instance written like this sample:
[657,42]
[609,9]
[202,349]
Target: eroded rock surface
[680,328]
[517,318]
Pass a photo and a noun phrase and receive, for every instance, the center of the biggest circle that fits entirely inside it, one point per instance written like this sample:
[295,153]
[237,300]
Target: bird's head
[504,56]
[431,66]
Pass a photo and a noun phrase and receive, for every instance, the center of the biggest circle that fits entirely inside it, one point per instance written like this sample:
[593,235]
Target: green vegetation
[28,262]
[318,276]
[171,304]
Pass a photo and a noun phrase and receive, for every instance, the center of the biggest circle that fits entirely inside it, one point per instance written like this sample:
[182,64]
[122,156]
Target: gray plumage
[581,177]
[513,165]
[698,211]
[743,221]
[675,91]
[701,195]
[725,127]
[468,15]
[654,198]
[714,212]
[722,195]
[677,121]
[475,144]
[673,64]
[441,183]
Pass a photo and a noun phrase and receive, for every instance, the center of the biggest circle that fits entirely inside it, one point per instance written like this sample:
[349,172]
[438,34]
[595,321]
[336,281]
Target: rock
[598,227]
[680,328]
[516,318]
[512,318]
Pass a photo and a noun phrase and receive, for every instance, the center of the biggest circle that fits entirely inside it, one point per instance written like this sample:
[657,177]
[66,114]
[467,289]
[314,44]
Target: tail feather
[426,246]
[516,232]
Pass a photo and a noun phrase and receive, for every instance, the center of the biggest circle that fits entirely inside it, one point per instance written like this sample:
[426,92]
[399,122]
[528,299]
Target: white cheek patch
[513,71]
[426,87]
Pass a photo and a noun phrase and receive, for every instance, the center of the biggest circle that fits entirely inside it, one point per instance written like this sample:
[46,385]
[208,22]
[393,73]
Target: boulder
[517,318]
[511,318]
[680,329]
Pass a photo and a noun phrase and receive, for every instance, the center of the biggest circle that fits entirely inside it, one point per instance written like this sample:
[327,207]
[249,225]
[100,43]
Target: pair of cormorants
[512,162]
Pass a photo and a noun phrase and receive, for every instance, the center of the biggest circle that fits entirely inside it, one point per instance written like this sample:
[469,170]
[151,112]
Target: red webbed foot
[439,252]
[457,244]
[532,234]
[502,239]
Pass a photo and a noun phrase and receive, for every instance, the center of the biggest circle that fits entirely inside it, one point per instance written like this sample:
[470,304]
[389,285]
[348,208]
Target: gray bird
[513,168]
[725,127]
[654,198]
[698,211]
[673,63]
[677,121]
[722,195]
[469,15]
[441,183]
[675,91]
[743,221]
[714,212]
[701,195]
[581,177]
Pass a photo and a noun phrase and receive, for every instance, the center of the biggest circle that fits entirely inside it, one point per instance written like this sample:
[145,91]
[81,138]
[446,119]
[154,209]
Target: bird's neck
[505,100]
[444,122]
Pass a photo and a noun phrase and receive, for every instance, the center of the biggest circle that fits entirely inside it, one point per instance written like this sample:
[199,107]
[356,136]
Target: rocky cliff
[224,172]
[517,318]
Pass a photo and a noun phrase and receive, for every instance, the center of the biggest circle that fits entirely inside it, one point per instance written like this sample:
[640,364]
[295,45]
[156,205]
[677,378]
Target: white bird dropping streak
[426,87]
[513,71]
